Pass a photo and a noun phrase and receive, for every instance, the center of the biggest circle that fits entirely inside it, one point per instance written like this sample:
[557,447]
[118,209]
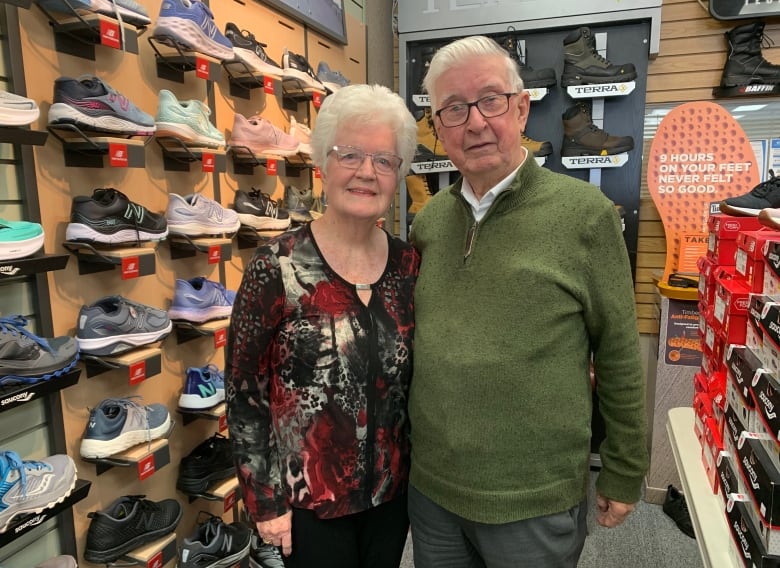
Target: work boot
[583,65]
[532,78]
[418,192]
[583,138]
[538,149]
[426,135]
[745,65]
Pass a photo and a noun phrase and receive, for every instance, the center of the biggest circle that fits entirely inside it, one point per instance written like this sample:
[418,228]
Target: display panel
[325,16]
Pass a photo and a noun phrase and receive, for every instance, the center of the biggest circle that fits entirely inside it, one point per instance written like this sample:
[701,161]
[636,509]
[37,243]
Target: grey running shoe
[114,324]
[27,358]
[333,80]
[65,561]
[197,215]
[216,545]
[117,424]
[299,203]
[263,555]
[296,67]
[29,487]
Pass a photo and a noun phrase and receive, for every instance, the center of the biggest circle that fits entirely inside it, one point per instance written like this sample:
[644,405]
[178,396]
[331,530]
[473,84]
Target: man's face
[485,150]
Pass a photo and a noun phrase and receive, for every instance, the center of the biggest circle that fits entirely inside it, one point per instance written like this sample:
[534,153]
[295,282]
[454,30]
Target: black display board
[743,9]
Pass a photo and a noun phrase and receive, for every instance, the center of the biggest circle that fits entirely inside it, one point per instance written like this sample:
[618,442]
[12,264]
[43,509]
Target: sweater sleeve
[257,312]
[611,320]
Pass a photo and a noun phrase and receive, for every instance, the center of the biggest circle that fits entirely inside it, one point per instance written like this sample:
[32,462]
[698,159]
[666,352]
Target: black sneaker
[297,67]
[210,461]
[262,555]
[251,52]
[109,217]
[677,509]
[216,545]
[766,195]
[255,209]
[128,523]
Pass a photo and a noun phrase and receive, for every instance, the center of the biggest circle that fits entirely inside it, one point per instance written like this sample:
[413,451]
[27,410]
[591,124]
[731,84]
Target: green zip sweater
[508,312]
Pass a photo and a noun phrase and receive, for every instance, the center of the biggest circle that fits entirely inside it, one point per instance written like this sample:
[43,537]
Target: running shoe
[117,424]
[296,67]
[302,134]
[209,462]
[128,523]
[128,11]
[216,544]
[29,487]
[90,103]
[114,324]
[197,215]
[333,80]
[765,195]
[186,120]
[26,358]
[190,24]
[199,300]
[257,210]
[262,137]
[299,203]
[19,239]
[204,388]
[16,110]
[109,217]
[251,52]
[263,555]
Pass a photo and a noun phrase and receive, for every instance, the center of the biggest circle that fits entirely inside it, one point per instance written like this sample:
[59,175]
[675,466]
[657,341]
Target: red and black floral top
[317,381]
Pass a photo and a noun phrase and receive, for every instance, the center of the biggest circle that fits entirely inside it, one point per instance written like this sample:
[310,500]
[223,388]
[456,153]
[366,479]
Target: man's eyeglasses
[352,158]
[489,107]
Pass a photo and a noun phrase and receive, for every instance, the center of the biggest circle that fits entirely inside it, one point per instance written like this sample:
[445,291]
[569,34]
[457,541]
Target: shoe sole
[739,211]
[304,78]
[10,116]
[16,376]
[96,449]
[197,402]
[263,223]
[60,113]
[253,62]
[195,228]
[115,344]
[11,250]
[196,315]
[186,134]
[190,34]
[81,232]
[260,150]
[231,560]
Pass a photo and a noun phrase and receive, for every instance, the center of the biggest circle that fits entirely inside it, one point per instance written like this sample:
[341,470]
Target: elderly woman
[319,353]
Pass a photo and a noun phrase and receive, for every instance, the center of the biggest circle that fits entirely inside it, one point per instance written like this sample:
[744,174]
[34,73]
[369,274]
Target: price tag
[317,173]
[137,372]
[109,34]
[215,254]
[268,85]
[146,467]
[156,561]
[130,267]
[202,68]
[207,161]
[316,98]
[271,167]
[230,501]
[117,155]
[220,337]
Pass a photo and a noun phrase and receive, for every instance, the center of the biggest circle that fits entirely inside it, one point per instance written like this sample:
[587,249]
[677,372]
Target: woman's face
[361,193]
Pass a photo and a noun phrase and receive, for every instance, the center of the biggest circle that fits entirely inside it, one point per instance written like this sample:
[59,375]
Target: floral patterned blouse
[317,381]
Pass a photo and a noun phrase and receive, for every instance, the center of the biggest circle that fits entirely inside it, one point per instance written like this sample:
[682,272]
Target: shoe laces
[15,325]
[129,403]
[16,462]
[766,187]
[596,54]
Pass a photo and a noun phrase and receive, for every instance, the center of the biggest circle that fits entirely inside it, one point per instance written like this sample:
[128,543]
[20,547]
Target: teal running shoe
[186,120]
[19,239]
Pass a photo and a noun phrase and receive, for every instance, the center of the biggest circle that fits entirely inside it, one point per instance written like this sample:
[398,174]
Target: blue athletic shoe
[199,300]
[26,358]
[190,24]
[203,388]
[128,11]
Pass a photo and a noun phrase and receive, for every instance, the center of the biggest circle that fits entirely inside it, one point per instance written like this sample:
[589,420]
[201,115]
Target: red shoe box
[702,409]
[749,260]
[710,274]
[771,287]
[722,245]
[732,299]
[712,446]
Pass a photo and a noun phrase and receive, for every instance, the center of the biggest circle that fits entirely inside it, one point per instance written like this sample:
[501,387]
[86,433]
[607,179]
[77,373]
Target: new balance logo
[207,390]
[145,522]
[135,211]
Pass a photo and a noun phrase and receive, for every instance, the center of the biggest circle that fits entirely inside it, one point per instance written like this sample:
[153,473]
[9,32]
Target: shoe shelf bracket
[16,395]
[178,156]
[133,261]
[245,161]
[19,135]
[138,364]
[32,265]
[217,329]
[249,237]
[185,246]
[84,151]
[147,457]
[226,491]
[243,80]
[157,553]
[27,523]
[217,413]
[173,61]
[294,92]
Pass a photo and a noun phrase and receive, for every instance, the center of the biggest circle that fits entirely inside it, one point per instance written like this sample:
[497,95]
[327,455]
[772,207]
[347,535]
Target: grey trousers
[444,540]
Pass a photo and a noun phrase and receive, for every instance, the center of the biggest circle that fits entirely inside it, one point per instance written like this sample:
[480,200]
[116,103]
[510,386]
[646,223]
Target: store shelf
[225,490]
[173,62]
[147,457]
[217,329]
[244,80]
[249,237]
[185,246]
[78,35]
[295,92]
[138,364]
[19,3]
[132,261]
[153,555]
[21,135]
[16,395]
[706,508]
[85,149]
[218,413]
[32,265]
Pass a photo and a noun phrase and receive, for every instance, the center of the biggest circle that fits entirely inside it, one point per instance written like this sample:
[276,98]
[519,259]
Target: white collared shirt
[481,206]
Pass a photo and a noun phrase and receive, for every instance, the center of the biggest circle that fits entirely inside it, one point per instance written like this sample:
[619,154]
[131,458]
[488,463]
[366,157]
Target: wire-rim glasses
[489,107]
[352,158]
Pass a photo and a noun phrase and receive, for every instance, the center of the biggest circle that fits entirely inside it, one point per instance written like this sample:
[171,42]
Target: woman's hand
[278,532]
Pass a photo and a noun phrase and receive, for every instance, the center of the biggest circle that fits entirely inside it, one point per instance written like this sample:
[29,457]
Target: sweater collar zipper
[470,241]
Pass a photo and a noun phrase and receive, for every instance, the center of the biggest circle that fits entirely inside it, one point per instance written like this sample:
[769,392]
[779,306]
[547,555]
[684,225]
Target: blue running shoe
[204,388]
[333,80]
[19,239]
[90,103]
[199,300]
[29,487]
[26,358]
[128,11]
[190,24]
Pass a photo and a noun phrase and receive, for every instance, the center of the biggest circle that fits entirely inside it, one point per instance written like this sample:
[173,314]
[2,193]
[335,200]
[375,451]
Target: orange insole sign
[699,156]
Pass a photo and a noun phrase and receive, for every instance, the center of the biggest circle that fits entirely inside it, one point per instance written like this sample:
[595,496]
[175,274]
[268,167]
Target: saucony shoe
[199,300]
[251,52]
[27,358]
[186,120]
[197,215]
[190,24]
[19,239]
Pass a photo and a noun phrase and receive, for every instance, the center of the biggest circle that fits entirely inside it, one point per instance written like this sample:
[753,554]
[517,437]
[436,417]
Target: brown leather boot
[538,149]
[418,191]
[583,138]
[583,65]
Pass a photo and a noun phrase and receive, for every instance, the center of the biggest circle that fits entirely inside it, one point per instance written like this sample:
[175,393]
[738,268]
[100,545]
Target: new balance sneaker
[117,424]
[302,134]
[262,137]
[199,300]
[257,210]
[263,555]
[30,486]
[766,195]
[26,358]
[197,215]
[109,217]
[19,239]
[204,388]
[128,523]
[186,120]
[296,67]
[251,52]
[114,324]
[216,544]
[210,461]
[16,110]
[190,23]
[90,103]
[128,11]
[299,203]
[332,80]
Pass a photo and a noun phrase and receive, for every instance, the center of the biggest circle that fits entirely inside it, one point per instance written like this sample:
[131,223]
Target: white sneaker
[16,110]
[302,134]
[197,215]
[297,67]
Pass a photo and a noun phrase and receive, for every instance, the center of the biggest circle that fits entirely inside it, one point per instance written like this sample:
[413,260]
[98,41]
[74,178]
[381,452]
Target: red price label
[230,501]
[215,254]
[317,173]
[220,337]
[117,155]
[137,372]
[146,467]
[130,267]
[201,68]
[222,424]
[268,85]
[316,98]
[156,561]
[271,167]
[109,34]
[207,161]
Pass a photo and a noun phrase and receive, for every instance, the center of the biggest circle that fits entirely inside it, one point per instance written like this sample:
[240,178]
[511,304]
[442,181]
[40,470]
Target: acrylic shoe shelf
[85,149]
[226,491]
[185,246]
[173,61]
[147,457]
[137,365]
[32,265]
[153,555]
[178,156]
[12,396]
[132,261]
[601,90]
[217,329]
[757,89]
[22,135]
[243,80]
[217,413]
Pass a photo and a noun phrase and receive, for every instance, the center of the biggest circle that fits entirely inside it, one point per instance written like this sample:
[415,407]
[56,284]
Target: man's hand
[611,513]
[278,532]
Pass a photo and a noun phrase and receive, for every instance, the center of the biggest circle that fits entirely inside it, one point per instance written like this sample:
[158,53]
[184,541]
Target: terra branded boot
[428,146]
[583,65]
[537,148]
[583,138]
[418,191]
[532,78]
[745,64]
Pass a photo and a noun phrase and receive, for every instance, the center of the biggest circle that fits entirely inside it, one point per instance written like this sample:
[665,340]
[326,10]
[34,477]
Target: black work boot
[583,65]
[744,64]
[583,138]
[532,78]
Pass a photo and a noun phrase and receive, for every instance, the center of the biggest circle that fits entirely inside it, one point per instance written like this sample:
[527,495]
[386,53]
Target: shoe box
[764,388]
[712,446]
[722,244]
[746,548]
[714,343]
[750,260]
[729,479]
[741,366]
[702,409]
[732,299]
[770,328]
[762,480]
[772,269]
[754,335]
